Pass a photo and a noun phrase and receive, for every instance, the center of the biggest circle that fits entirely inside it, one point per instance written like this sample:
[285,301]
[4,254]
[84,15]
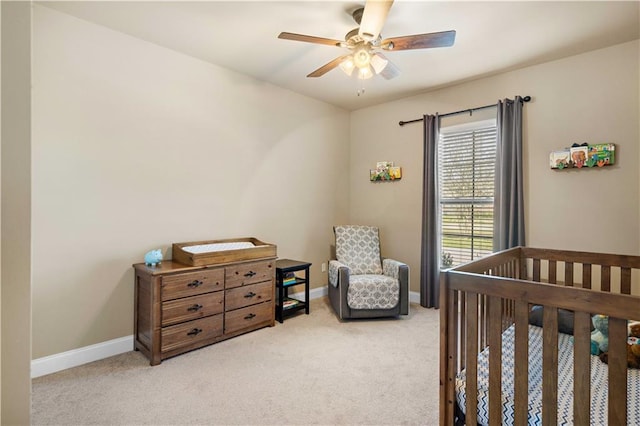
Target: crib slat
[625,280]
[586,275]
[552,272]
[536,270]
[521,375]
[495,361]
[449,397]
[463,329]
[550,366]
[483,321]
[456,331]
[522,261]
[568,274]
[581,368]
[472,357]
[617,371]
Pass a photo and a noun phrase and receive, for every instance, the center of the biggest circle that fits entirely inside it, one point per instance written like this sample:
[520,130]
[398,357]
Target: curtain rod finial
[526,98]
[400,123]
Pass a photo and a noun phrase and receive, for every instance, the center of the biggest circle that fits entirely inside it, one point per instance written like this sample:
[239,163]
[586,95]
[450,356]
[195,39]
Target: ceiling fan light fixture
[347,65]
[378,63]
[365,73]
[361,58]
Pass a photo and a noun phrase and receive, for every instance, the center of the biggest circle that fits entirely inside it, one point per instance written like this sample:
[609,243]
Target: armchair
[361,283]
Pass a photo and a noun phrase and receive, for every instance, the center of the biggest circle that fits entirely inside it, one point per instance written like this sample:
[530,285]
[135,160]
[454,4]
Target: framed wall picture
[385,171]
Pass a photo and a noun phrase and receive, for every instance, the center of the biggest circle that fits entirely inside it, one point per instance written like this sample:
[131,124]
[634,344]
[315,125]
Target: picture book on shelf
[289,303]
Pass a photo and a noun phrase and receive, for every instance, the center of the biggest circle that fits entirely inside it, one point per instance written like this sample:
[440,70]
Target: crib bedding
[599,388]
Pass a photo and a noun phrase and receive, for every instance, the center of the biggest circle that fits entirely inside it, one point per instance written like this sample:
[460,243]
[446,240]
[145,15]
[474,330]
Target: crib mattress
[599,383]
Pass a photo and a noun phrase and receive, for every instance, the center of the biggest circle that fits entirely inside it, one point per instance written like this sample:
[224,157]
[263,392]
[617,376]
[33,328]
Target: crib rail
[480,299]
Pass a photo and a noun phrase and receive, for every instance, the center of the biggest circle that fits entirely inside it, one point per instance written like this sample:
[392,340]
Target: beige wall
[136,147]
[593,97]
[16,217]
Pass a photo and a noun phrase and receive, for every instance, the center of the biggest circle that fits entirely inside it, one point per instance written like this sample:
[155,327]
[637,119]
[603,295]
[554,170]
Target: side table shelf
[286,305]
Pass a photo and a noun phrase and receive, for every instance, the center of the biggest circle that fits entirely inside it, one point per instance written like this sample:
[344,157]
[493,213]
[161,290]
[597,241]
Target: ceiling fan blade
[420,41]
[373,18]
[328,67]
[309,39]
[390,70]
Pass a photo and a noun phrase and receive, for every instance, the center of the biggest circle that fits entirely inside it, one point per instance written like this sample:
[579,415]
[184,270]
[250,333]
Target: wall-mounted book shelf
[583,156]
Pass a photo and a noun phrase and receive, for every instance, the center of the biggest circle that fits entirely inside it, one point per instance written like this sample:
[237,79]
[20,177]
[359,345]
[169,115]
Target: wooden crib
[483,300]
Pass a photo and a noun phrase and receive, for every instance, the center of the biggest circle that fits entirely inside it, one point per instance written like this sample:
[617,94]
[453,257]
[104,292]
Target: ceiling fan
[365,43]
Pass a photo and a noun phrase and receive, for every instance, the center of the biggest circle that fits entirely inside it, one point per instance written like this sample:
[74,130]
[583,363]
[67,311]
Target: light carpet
[312,369]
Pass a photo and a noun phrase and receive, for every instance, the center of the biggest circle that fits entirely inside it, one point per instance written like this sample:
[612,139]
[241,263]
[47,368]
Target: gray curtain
[430,266]
[509,190]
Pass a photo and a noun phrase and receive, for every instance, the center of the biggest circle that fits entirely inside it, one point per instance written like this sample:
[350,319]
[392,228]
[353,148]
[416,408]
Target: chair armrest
[399,271]
[337,269]
[391,268]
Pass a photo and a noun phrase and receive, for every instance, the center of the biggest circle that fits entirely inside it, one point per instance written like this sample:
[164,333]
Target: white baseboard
[73,358]
[314,293]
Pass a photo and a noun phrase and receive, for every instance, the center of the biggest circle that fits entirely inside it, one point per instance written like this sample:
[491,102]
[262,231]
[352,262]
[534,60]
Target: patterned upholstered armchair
[361,284]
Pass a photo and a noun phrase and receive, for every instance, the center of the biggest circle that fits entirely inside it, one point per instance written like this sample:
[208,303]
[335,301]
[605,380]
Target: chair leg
[403,278]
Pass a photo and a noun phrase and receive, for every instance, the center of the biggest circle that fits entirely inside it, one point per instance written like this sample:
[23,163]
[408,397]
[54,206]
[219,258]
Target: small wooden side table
[285,305]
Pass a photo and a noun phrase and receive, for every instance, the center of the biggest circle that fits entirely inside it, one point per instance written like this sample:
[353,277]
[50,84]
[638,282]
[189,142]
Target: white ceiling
[492,37]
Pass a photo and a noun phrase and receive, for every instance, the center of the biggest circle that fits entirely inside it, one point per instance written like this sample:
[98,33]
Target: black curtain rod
[470,111]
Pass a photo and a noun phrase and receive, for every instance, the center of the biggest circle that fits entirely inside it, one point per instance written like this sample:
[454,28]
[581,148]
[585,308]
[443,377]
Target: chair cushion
[358,247]
[373,291]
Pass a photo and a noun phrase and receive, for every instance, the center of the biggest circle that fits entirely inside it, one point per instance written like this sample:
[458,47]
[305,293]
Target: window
[466,170]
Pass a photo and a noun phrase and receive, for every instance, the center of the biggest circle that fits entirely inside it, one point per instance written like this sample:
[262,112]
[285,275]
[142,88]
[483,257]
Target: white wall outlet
[323,267]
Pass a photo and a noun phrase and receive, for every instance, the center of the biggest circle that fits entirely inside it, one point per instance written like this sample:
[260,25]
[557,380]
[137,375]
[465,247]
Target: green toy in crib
[600,336]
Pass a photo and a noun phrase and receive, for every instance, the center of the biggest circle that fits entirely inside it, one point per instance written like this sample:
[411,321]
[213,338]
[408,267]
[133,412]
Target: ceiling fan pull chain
[361,89]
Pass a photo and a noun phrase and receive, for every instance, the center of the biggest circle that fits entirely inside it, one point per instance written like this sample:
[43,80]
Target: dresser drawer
[188,308]
[191,332]
[240,297]
[249,273]
[192,283]
[248,317]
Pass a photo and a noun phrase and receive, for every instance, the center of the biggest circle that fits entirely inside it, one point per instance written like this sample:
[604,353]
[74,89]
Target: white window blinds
[466,169]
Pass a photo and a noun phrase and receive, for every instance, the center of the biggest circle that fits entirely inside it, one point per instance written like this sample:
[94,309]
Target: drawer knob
[249,274]
[195,284]
[194,332]
[250,316]
[194,308]
[249,295]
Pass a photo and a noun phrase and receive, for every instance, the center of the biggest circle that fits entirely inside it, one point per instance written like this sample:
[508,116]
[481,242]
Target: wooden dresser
[179,308]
